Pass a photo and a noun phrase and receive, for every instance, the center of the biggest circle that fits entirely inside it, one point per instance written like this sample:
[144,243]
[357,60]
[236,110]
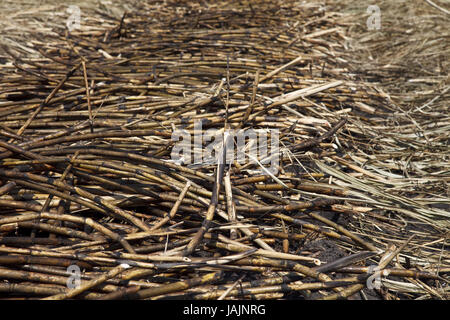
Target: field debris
[344,195]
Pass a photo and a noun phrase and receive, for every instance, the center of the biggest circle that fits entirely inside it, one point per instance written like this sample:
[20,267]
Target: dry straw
[87,178]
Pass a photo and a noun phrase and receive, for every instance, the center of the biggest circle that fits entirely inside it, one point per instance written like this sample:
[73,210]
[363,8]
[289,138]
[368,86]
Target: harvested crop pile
[100,198]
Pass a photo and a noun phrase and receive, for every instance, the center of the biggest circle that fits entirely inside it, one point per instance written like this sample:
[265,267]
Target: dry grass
[383,177]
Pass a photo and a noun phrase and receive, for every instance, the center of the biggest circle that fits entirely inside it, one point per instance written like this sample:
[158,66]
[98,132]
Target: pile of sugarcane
[94,206]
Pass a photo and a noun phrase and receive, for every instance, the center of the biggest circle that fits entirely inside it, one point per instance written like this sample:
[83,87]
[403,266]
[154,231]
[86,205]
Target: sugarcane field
[224,150]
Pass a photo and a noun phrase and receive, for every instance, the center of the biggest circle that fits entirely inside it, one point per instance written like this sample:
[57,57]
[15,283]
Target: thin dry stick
[230,204]
[48,99]
[223,295]
[214,200]
[177,286]
[344,231]
[252,102]
[88,96]
[7,187]
[285,98]
[285,241]
[431,3]
[174,209]
[119,294]
[89,284]
[50,196]
[315,141]
[283,67]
